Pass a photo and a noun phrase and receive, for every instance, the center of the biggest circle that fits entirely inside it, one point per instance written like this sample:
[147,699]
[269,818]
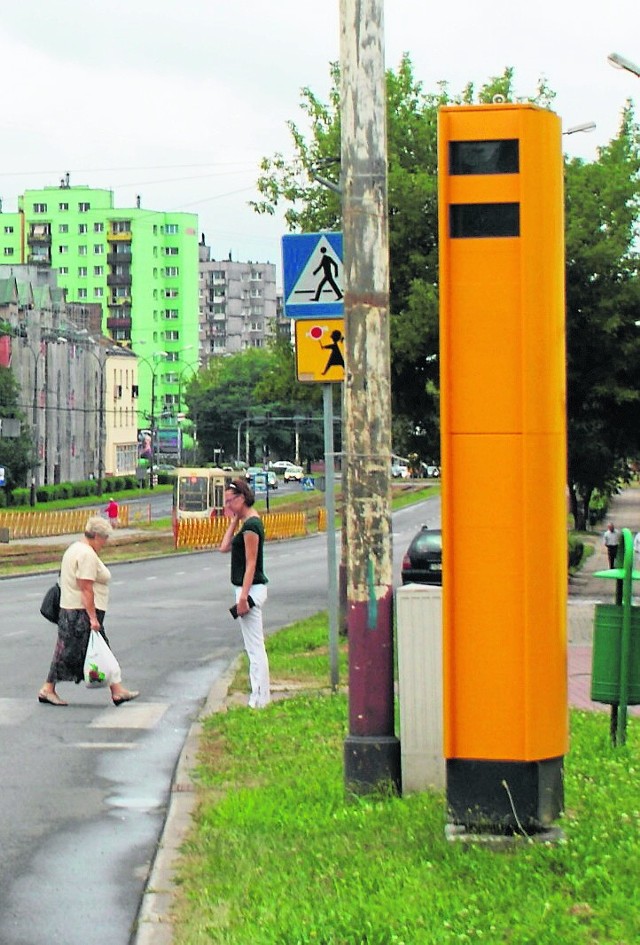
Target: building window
[39,208]
[171,313]
[82,293]
[170,228]
[63,270]
[98,270]
[63,228]
[83,228]
[173,356]
[98,292]
[84,207]
[8,250]
[82,271]
[172,336]
[8,229]
[82,250]
[98,227]
[63,249]
[121,226]
[171,251]
[63,206]
[172,271]
[171,293]
[98,249]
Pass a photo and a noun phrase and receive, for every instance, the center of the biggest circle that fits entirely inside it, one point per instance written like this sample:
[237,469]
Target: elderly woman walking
[84,595]
[249,580]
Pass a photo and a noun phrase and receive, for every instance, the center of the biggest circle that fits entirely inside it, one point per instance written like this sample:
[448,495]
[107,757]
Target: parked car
[293,473]
[280,465]
[272,479]
[422,563]
[399,471]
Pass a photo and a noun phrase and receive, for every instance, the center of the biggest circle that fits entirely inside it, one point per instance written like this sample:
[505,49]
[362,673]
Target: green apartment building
[140,265]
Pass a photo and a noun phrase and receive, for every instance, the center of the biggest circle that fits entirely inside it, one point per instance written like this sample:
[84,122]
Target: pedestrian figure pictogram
[329,269]
[335,358]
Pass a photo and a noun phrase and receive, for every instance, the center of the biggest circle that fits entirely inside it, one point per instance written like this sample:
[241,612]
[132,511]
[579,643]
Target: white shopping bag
[100,665]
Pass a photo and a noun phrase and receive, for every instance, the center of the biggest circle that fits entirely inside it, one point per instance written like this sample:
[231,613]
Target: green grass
[280,855]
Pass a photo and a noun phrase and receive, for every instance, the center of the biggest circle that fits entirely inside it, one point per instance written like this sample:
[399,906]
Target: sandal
[50,698]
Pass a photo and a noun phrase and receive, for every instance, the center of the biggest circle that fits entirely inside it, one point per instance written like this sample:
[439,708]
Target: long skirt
[74,628]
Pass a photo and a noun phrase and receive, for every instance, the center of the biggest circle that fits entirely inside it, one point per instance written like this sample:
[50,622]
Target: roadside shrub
[598,507]
[19,497]
[576,551]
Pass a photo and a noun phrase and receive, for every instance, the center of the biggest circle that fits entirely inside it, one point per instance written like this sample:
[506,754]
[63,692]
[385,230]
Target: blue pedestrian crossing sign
[313,275]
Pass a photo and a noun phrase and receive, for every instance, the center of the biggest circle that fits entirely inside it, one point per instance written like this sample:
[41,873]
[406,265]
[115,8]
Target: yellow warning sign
[320,350]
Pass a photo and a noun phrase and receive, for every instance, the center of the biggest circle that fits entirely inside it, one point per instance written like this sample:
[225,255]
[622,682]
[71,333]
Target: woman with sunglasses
[250,581]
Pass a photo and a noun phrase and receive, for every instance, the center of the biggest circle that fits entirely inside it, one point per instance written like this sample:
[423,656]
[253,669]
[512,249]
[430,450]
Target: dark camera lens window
[477,220]
[484,157]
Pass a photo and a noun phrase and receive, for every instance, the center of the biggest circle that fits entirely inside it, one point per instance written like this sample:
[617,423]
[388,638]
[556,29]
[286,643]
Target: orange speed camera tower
[503,460]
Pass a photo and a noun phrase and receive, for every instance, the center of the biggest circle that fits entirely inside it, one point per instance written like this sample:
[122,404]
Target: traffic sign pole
[330,504]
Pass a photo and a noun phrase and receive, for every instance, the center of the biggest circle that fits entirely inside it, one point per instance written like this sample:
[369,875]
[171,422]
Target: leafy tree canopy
[16,453]
[256,390]
[413,226]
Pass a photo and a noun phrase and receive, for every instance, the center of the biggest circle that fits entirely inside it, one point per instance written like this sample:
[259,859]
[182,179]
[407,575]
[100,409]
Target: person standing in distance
[611,539]
[249,581]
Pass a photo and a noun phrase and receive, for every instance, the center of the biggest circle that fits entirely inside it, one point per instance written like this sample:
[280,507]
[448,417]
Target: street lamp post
[187,367]
[101,426]
[159,354]
[620,62]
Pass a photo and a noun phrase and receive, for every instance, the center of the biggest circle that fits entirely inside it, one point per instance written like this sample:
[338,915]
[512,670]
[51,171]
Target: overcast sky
[177,100]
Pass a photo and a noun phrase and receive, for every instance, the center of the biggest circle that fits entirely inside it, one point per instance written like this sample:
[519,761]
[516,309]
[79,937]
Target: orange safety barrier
[43,524]
[208,532]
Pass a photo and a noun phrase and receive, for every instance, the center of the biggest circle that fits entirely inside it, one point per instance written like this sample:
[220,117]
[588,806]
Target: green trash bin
[605,666]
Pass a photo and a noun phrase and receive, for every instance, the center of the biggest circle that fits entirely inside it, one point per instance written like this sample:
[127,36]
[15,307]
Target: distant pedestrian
[611,540]
[112,511]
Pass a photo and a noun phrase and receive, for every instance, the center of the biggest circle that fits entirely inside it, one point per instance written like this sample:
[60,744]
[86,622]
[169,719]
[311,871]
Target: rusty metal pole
[372,752]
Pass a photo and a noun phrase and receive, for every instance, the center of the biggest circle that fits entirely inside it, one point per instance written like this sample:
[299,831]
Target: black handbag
[50,606]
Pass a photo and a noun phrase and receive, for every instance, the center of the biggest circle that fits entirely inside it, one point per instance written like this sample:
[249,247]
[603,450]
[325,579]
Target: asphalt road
[84,788]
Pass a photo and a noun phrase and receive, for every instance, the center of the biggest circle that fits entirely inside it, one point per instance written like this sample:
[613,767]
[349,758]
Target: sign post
[313,296]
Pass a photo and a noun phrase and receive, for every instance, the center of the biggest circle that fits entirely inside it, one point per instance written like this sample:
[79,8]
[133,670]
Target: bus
[198,492]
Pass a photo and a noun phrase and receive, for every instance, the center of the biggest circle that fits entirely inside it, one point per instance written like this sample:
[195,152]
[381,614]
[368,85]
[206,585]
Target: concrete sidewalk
[585,591]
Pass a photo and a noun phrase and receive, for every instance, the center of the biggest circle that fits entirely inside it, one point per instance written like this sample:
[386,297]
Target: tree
[249,390]
[413,225]
[16,453]
[603,306]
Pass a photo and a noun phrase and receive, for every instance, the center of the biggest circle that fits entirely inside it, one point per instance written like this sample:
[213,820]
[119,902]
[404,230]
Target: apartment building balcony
[121,279]
[40,259]
[118,301]
[120,237]
[119,258]
[119,322]
[39,235]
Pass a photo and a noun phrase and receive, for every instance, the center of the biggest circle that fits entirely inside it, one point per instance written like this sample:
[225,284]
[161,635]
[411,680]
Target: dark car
[422,564]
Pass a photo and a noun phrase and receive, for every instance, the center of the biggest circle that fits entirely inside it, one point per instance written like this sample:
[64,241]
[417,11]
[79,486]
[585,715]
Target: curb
[153,924]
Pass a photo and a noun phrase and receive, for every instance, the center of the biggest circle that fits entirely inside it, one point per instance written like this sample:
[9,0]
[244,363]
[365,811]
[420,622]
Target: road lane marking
[102,746]
[134,715]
